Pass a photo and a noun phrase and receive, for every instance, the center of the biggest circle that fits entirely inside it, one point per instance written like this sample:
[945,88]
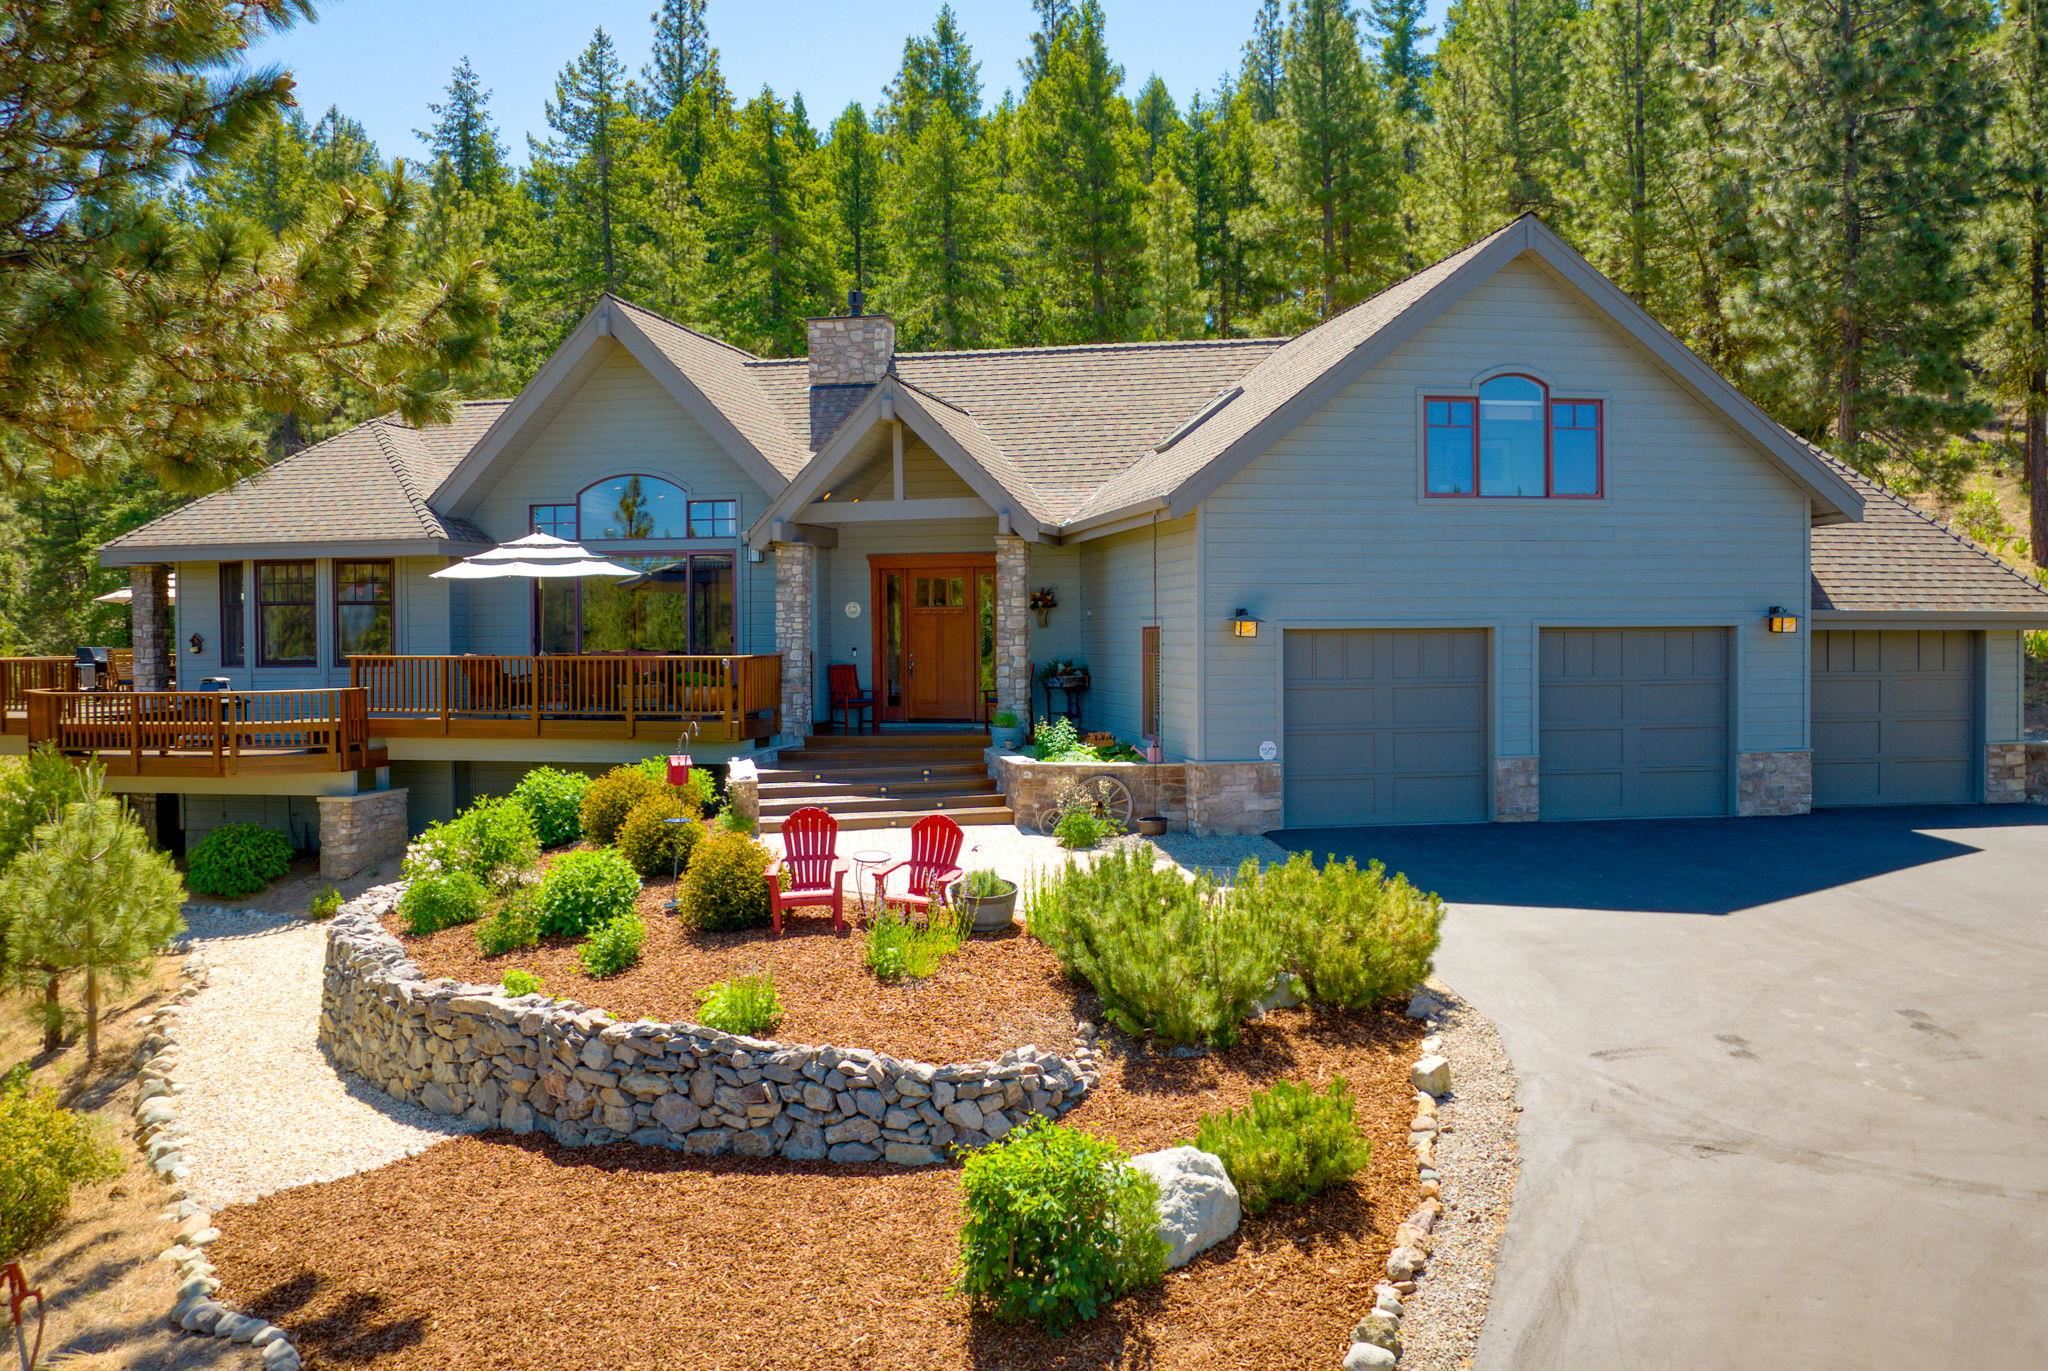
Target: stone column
[2005,774]
[1772,784]
[1013,626]
[358,831]
[150,625]
[796,595]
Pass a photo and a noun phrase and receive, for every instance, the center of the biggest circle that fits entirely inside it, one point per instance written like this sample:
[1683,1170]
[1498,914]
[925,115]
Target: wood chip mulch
[516,1254]
[994,993]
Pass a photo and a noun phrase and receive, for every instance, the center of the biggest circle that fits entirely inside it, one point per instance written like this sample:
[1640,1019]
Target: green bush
[1287,1143]
[555,800]
[1081,828]
[730,820]
[519,982]
[614,946]
[655,847]
[586,889]
[1355,935]
[611,798]
[1169,956]
[1058,1224]
[700,794]
[899,949]
[513,925]
[724,889]
[326,904]
[236,860]
[435,900]
[1057,740]
[746,1005]
[44,1151]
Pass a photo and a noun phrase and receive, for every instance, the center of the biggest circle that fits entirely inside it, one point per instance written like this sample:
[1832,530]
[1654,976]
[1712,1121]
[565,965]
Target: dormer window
[1511,440]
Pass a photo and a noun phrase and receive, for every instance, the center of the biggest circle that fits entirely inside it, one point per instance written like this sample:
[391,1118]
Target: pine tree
[1510,55]
[1404,70]
[339,149]
[1334,176]
[463,135]
[855,160]
[1625,122]
[593,99]
[1052,17]
[1259,70]
[1459,193]
[769,260]
[2017,235]
[266,180]
[1873,117]
[683,62]
[938,68]
[945,235]
[1172,303]
[1221,158]
[1158,121]
[1708,184]
[135,334]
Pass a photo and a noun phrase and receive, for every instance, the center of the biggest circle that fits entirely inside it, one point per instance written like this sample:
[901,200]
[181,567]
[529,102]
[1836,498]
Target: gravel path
[261,1107]
[1477,1157]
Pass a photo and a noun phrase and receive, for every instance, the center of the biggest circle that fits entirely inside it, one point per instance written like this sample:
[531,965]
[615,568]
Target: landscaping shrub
[519,982]
[611,798]
[435,900]
[1355,935]
[555,800]
[1057,740]
[899,949]
[613,946]
[1169,956]
[1080,828]
[1287,1143]
[326,904]
[493,840]
[730,820]
[44,1151]
[585,890]
[513,925]
[655,847]
[236,860]
[723,889]
[700,794]
[747,1005]
[1058,1224]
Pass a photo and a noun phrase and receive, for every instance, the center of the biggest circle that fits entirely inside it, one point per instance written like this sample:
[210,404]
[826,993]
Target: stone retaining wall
[359,831]
[525,1063]
[1031,785]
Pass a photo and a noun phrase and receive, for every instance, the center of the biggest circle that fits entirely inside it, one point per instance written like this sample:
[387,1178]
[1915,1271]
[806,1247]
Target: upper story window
[633,507]
[558,520]
[714,518]
[1511,440]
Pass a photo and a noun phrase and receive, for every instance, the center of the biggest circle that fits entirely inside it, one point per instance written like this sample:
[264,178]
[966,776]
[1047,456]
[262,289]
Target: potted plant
[1004,731]
[990,901]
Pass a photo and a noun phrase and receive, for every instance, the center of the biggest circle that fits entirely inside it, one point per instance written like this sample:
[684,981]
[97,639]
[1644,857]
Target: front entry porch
[933,638]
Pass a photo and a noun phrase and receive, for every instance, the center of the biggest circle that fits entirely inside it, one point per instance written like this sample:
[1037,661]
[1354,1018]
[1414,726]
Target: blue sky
[382,61]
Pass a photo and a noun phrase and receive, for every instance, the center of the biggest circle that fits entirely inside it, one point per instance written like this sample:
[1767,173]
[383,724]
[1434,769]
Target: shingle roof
[726,376]
[366,484]
[1899,560]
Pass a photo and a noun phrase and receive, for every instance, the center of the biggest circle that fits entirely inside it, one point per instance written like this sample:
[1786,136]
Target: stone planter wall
[359,831]
[530,1063]
[1030,785]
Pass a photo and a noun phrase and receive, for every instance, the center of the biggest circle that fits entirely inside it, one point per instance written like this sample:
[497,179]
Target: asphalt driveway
[1785,1083]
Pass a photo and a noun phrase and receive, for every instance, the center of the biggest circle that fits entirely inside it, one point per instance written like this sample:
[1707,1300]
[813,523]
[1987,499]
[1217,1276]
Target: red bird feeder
[679,769]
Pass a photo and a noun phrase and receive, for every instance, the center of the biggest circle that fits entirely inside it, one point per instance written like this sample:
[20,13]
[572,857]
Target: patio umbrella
[126,594]
[537,555]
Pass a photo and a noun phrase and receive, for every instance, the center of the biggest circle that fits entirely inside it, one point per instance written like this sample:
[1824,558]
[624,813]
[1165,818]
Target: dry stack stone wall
[359,831]
[527,1062]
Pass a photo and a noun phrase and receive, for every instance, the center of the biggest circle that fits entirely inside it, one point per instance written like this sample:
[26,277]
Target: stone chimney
[853,349]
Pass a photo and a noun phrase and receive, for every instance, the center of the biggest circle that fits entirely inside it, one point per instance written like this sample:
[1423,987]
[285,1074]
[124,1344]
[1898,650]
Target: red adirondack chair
[934,864]
[842,679]
[810,839]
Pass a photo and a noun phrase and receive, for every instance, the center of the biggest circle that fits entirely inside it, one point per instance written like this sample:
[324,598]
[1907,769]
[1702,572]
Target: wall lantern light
[196,643]
[1780,621]
[1243,625]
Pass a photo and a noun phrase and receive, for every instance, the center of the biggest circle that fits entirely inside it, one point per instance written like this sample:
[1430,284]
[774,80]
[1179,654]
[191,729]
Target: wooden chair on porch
[934,865]
[848,699]
[810,842]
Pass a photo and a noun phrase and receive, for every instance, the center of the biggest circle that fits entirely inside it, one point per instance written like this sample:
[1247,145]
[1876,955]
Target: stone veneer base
[1234,797]
[1517,790]
[359,831]
[1770,784]
[2005,773]
[529,1063]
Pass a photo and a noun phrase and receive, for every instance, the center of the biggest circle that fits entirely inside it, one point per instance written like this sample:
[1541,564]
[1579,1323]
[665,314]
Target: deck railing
[20,675]
[206,732]
[729,696]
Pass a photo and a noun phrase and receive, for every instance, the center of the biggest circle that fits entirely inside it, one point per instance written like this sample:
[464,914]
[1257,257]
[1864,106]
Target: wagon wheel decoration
[1107,796]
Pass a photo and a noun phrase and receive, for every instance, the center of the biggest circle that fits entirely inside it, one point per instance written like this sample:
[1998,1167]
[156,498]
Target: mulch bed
[502,1252]
[994,993]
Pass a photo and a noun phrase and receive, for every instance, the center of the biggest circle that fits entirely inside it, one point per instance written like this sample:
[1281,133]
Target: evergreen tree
[1511,56]
[339,149]
[855,160]
[683,62]
[1708,185]
[1873,118]
[938,68]
[1158,121]
[1458,194]
[1259,71]
[1221,158]
[267,179]
[1625,108]
[593,99]
[769,260]
[1077,161]
[1172,303]
[463,135]
[1404,66]
[1052,17]
[2017,231]
[945,234]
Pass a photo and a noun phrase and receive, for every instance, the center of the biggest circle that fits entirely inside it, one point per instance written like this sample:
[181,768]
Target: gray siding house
[1490,546]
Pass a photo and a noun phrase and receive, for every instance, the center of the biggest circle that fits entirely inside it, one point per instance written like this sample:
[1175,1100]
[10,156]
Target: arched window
[1511,440]
[632,507]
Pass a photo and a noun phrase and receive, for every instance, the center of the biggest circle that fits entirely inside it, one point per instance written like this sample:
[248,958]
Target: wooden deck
[207,733]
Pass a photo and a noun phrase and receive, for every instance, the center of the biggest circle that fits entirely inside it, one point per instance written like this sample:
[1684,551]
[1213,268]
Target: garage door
[1634,723]
[1386,726]
[1894,718]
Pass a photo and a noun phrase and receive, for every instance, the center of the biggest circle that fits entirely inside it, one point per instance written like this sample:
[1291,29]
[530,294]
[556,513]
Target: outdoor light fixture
[197,644]
[1243,625]
[1781,622]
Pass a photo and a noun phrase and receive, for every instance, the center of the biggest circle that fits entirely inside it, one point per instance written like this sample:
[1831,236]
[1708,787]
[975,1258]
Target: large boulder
[1198,1206]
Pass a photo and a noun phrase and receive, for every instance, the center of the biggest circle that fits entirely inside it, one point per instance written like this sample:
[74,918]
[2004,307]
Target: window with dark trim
[1511,440]
[558,520]
[233,602]
[714,518]
[1148,678]
[362,609]
[681,603]
[287,614]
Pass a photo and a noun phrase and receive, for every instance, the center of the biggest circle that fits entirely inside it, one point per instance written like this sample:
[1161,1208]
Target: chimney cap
[854,300]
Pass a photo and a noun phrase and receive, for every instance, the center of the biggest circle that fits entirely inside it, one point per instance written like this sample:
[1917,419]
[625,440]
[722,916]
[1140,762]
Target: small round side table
[865,864]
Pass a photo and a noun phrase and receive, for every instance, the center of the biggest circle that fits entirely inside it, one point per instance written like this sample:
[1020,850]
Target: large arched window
[683,600]
[632,507]
[1511,440]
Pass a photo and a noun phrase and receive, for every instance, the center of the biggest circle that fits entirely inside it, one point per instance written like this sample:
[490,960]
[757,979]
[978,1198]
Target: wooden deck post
[220,726]
[447,670]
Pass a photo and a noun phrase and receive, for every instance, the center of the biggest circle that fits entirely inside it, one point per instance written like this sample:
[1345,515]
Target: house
[1490,546]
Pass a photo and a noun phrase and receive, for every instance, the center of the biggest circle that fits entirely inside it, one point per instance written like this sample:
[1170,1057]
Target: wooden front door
[928,639]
